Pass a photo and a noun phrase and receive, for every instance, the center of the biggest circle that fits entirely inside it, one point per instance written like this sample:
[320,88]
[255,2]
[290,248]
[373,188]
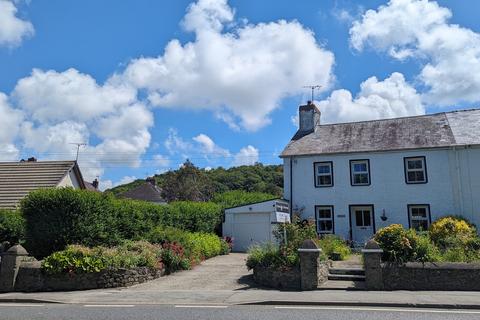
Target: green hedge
[58,217]
[12,226]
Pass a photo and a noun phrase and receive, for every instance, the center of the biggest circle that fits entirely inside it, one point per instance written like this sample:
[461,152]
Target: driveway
[219,273]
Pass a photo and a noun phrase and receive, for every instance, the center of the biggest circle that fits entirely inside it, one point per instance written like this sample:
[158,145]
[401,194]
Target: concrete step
[346,277]
[351,271]
[342,285]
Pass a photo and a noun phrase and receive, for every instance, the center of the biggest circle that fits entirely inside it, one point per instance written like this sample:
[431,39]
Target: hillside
[254,178]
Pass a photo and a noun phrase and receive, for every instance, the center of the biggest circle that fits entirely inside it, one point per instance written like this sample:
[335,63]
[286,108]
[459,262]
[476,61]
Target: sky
[146,84]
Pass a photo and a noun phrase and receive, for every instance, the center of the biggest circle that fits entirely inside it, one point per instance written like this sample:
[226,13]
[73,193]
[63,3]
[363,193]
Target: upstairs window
[323,174]
[419,216]
[415,170]
[360,172]
[324,216]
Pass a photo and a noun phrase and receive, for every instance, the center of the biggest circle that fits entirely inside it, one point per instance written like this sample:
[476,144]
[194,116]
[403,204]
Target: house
[355,178]
[147,191]
[254,223]
[17,179]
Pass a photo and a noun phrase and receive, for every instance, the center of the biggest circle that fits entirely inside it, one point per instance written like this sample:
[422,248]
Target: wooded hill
[193,184]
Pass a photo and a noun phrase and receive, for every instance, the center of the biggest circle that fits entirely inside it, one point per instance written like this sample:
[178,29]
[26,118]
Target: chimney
[32,159]
[95,183]
[308,118]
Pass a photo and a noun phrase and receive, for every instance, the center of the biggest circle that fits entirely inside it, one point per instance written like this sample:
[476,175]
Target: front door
[362,223]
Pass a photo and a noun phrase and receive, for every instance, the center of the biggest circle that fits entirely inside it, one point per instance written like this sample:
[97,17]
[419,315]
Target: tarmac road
[21,311]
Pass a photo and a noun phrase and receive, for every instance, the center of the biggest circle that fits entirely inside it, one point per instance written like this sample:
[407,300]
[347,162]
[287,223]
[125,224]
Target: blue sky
[106,73]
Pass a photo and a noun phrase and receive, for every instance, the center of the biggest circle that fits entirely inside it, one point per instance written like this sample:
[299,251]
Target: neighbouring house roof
[90,187]
[17,179]
[445,129]
[145,192]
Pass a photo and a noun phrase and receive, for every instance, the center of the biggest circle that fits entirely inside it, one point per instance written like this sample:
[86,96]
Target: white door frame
[353,219]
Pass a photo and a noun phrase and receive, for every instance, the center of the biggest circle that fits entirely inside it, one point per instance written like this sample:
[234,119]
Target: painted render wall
[70,180]
[451,188]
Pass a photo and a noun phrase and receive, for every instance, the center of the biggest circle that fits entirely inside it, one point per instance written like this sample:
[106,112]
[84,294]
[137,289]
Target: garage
[254,223]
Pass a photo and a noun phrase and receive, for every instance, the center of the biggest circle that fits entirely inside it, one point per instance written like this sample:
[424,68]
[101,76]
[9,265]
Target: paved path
[219,273]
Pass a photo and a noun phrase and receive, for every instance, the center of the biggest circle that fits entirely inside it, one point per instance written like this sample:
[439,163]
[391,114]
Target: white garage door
[250,229]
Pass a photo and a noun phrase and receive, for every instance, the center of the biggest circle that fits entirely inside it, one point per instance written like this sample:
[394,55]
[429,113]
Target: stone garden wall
[278,279]
[18,272]
[445,276]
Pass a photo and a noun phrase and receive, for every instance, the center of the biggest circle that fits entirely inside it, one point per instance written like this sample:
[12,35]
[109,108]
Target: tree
[187,184]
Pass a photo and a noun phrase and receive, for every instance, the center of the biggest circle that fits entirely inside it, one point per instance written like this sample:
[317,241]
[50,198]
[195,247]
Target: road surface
[22,311]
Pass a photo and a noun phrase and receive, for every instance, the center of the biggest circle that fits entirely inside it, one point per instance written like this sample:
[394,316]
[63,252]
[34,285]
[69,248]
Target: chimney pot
[95,183]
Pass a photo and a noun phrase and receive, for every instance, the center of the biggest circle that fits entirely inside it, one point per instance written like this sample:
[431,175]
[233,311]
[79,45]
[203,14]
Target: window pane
[360,167]
[359,218]
[325,180]
[367,222]
[324,168]
[326,225]
[420,225]
[324,213]
[411,176]
[360,178]
[419,213]
[419,176]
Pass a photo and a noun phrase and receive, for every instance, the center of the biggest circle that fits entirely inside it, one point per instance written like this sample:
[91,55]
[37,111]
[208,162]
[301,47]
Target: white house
[354,178]
[18,179]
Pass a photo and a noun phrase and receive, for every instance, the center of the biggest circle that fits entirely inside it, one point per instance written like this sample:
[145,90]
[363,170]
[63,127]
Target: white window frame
[317,174]
[318,219]
[353,172]
[423,169]
[427,218]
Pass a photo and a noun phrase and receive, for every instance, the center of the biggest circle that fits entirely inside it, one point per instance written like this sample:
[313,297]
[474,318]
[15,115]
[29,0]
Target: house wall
[450,190]
[70,180]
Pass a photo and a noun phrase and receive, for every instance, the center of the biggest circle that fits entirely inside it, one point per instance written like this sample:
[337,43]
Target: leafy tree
[187,184]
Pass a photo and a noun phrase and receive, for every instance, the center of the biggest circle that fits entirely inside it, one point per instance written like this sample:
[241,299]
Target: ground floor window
[324,217]
[419,216]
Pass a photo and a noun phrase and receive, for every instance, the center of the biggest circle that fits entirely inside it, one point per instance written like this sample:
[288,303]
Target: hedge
[12,226]
[58,217]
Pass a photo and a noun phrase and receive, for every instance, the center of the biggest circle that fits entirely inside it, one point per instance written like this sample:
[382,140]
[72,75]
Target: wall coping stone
[309,250]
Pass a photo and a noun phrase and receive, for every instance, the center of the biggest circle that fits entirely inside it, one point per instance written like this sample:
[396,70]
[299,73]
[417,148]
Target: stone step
[346,277]
[342,285]
[351,271]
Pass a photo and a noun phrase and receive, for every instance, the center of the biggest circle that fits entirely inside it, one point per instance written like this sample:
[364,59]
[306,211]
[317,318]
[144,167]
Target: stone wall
[311,272]
[19,272]
[278,279]
[445,276]
[30,278]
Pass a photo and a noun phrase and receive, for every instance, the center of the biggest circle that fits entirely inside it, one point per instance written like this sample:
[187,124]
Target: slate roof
[445,129]
[145,192]
[17,179]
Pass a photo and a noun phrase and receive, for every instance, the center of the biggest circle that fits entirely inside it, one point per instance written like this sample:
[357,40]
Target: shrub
[173,256]
[333,245]
[12,226]
[397,243]
[58,217]
[198,246]
[80,259]
[269,256]
[448,231]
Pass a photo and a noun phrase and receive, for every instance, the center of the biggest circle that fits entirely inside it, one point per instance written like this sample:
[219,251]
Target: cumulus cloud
[13,30]
[10,121]
[68,107]
[413,28]
[392,97]
[208,147]
[243,72]
[246,156]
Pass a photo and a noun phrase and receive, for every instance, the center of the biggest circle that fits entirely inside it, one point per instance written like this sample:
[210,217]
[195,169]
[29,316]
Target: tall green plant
[12,226]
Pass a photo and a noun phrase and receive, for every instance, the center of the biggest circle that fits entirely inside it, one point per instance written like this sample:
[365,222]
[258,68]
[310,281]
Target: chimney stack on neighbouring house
[95,183]
[308,118]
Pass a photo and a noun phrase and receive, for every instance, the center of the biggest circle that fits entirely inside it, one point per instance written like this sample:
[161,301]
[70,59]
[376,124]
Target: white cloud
[246,156]
[10,121]
[68,107]
[108,184]
[392,97]
[125,180]
[13,30]
[209,148]
[176,144]
[161,161]
[420,29]
[245,71]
